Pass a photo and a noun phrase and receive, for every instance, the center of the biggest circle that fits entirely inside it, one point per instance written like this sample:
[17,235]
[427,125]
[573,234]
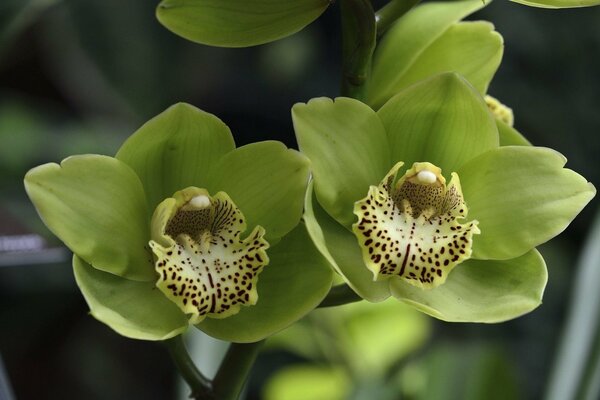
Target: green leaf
[340,247]
[267,181]
[509,136]
[96,206]
[522,197]
[237,23]
[395,54]
[294,283]
[558,3]
[348,149]
[308,382]
[443,121]
[482,291]
[176,149]
[137,310]
[472,49]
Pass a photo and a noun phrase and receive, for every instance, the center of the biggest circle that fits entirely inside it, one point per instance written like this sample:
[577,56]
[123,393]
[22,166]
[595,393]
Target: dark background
[80,76]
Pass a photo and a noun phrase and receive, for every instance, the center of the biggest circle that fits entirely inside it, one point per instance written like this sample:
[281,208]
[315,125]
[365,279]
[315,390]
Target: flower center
[203,264]
[499,110]
[409,228]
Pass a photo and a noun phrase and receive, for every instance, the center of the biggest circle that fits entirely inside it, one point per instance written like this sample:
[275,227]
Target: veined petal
[409,230]
[295,282]
[267,181]
[482,291]
[96,206]
[522,197]
[442,120]
[206,268]
[176,149]
[348,149]
[134,309]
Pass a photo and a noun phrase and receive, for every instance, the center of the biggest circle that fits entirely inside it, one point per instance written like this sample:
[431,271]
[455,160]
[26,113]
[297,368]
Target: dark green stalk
[340,295]
[391,12]
[201,386]
[234,370]
[358,43]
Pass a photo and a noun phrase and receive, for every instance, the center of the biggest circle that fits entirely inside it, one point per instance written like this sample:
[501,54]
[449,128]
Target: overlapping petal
[296,280]
[442,120]
[267,181]
[348,148]
[424,25]
[134,309]
[176,149]
[340,247]
[522,197]
[96,206]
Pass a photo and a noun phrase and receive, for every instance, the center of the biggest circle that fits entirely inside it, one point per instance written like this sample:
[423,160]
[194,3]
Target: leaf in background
[237,23]
[308,382]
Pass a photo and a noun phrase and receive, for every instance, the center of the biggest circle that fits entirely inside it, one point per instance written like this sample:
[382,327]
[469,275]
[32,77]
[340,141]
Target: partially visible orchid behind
[389,218]
[181,228]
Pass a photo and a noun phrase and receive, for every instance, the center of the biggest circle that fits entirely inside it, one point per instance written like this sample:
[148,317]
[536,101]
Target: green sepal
[267,181]
[558,3]
[137,310]
[96,206]
[509,136]
[340,247]
[294,283]
[176,149]
[395,55]
[237,23]
[348,149]
[522,197]
[442,120]
[472,49]
[482,291]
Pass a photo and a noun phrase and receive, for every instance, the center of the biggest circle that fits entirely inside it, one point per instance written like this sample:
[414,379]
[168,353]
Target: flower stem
[201,386]
[340,295]
[391,12]
[358,43]
[234,370]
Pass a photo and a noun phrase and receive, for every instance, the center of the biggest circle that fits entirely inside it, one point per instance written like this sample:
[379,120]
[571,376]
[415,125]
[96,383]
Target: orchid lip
[409,229]
[203,264]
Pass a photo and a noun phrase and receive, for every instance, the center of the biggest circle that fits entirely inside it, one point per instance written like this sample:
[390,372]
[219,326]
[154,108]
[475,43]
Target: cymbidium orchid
[181,228]
[420,201]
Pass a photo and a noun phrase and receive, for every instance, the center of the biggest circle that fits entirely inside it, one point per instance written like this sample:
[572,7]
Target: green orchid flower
[386,218]
[181,228]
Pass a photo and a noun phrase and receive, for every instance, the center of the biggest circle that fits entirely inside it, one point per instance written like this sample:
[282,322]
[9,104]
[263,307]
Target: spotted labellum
[380,210]
[181,227]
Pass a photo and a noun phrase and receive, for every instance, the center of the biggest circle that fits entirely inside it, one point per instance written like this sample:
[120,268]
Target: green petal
[473,49]
[558,3]
[176,149]
[522,197]
[340,247]
[267,181]
[482,291]
[348,149]
[509,136]
[295,282]
[237,23]
[305,381]
[395,54]
[137,310]
[443,121]
[96,206]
